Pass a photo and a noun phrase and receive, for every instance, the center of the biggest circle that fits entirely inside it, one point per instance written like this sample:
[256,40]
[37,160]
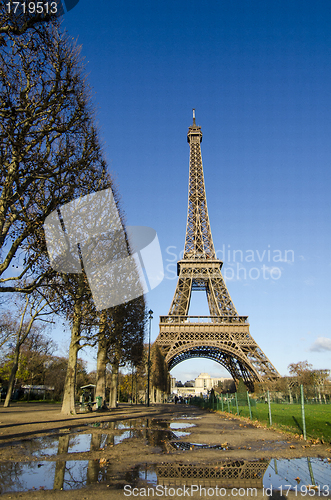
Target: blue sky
[258,74]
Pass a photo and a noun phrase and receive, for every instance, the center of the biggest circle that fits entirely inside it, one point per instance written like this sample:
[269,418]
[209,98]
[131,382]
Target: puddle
[142,423]
[67,475]
[162,438]
[74,474]
[299,472]
[125,435]
[182,445]
[285,474]
[36,472]
[119,424]
[149,476]
[24,476]
[180,434]
[187,417]
[163,424]
[73,443]
[50,446]
[180,425]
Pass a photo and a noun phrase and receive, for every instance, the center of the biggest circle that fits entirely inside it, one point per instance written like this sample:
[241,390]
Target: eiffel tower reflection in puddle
[75,474]
[57,468]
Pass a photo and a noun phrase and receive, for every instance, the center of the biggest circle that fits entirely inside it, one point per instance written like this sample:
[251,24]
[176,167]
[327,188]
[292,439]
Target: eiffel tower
[223,336]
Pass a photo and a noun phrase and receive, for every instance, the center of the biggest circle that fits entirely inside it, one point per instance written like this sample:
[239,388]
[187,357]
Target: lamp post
[150,312]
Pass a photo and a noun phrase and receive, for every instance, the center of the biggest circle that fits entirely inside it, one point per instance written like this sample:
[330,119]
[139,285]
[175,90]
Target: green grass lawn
[288,417]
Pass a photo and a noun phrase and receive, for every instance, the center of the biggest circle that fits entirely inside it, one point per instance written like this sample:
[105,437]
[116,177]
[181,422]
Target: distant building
[172,384]
[200,386]
[36,390]
[189,383]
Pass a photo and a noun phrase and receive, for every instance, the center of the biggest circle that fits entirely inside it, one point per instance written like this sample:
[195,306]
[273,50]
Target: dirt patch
[114,438]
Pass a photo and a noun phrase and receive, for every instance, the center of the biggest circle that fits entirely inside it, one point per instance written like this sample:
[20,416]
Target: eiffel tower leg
[238,370]
[222,297]
[182,297]
[214,310]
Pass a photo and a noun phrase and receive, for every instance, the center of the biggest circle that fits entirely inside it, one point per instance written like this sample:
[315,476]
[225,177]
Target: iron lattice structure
[229,474]
[224,335]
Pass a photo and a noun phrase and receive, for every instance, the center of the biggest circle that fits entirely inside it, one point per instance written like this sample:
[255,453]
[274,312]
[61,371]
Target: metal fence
[306,417]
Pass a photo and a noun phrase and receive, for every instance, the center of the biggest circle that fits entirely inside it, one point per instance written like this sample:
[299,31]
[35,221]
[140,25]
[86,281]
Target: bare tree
[35,308]
[302,372]
[159,374]
[7,329]
[82,316]
[102,356]
[49,156]
[48,145]
[36,353]
[121,338]
[15,21]
[319,380]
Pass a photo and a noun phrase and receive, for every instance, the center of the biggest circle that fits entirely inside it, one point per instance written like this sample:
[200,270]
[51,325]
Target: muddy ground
[233,439]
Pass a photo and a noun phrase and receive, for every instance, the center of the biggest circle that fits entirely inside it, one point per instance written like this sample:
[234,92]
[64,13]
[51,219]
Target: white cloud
[321,344]
[309,282]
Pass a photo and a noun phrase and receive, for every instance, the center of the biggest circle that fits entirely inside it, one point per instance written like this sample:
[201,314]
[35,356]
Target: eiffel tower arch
[223,336]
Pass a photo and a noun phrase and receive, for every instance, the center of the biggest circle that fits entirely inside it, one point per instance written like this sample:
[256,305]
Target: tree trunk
[12,376]
[132,396]
[152,393]
[19,342]
[29,393]
[100,389]
[68,404]
[60,466]
[92,472]
[111,437]
[113,386]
